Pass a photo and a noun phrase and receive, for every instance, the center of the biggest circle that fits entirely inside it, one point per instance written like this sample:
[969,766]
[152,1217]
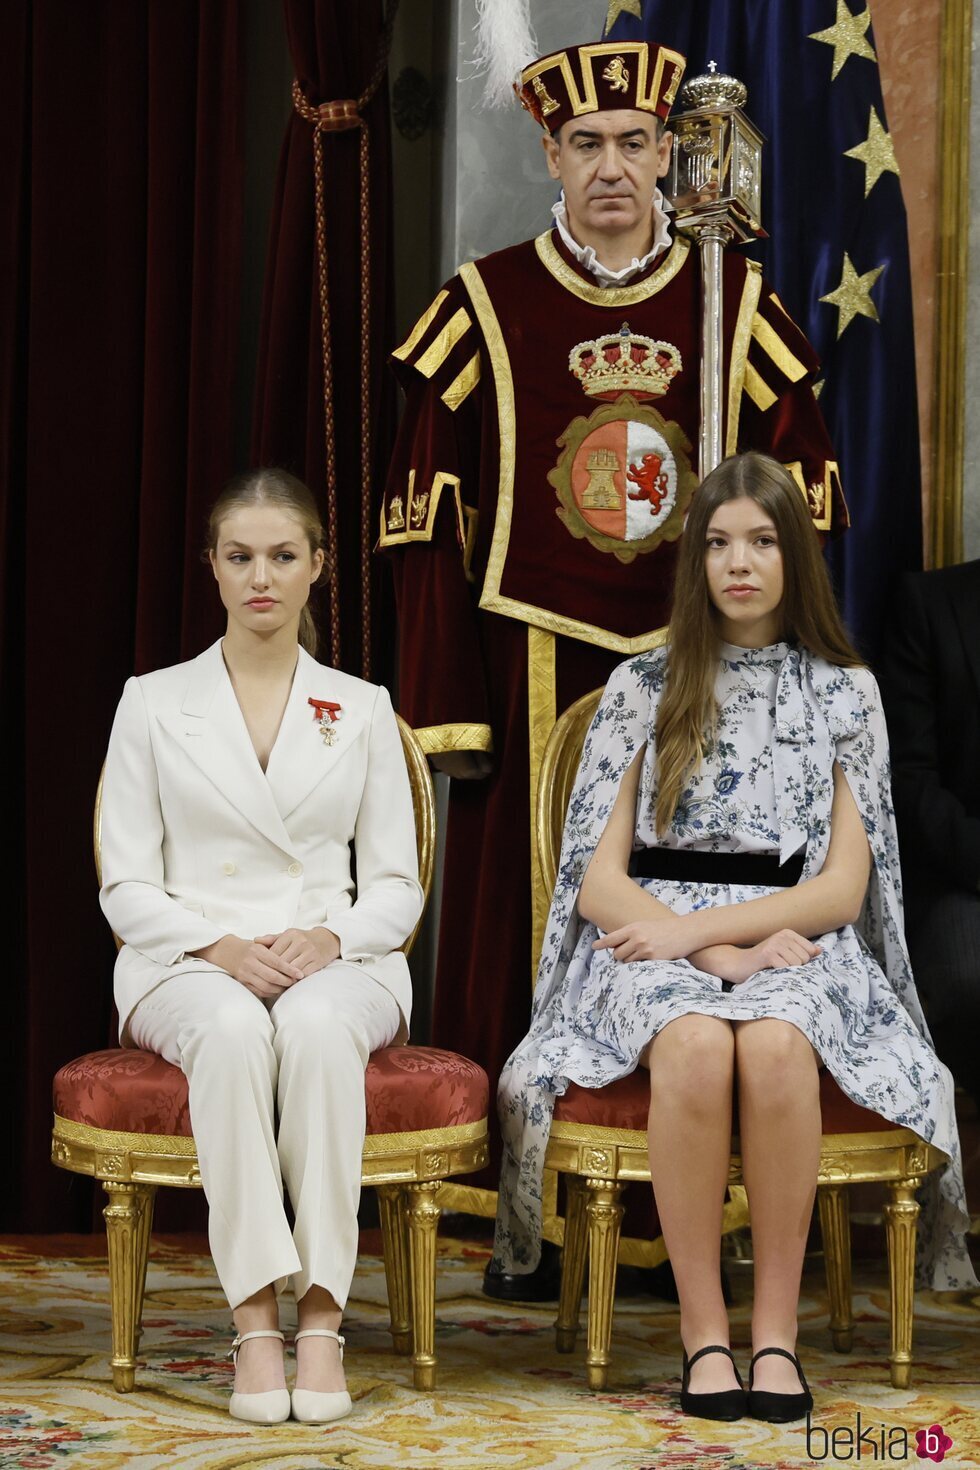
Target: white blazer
[198,842]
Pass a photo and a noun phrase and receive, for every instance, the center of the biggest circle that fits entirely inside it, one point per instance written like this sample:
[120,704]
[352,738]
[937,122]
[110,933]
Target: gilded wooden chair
[598,1141]
[121,1116]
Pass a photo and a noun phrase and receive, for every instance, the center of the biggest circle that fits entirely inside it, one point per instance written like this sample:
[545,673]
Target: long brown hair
[280,488]
[688,709]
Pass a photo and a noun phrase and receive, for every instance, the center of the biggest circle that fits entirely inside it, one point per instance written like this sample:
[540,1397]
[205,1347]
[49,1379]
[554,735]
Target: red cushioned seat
[624,1104]
[409,1088]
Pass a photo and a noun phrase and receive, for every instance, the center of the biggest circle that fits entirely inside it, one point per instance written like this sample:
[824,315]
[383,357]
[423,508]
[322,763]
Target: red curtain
[335,48]
[121,202]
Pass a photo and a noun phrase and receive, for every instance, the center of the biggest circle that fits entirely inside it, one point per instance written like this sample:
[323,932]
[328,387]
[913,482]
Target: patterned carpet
[506,1400]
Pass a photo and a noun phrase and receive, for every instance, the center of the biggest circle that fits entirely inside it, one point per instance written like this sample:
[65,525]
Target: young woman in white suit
[236,786]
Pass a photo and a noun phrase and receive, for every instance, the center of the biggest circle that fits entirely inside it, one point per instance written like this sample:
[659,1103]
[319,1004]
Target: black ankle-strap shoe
[778,1408]
[726,1405]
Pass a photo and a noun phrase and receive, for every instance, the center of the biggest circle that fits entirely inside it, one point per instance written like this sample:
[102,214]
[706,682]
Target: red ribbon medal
[326,712]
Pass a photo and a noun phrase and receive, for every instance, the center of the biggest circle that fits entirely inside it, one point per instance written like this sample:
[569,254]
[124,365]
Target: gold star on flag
[846,35]
[877,153]
[622,7]
[853,296]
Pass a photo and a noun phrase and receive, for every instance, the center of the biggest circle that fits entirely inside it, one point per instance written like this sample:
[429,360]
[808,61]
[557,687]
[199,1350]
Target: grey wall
[495,188]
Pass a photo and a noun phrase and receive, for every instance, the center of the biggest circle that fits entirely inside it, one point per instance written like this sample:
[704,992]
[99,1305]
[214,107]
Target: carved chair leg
[128,1217]
[835,1227]
[394,1234]
[901,1220]
[573,1264]
[423,1223]
[605,1214]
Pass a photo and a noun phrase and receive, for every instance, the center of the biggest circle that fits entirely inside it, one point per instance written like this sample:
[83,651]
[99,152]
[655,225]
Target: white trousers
[302,1057]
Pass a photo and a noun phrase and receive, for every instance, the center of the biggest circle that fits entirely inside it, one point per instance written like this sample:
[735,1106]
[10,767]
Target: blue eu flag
[838,248]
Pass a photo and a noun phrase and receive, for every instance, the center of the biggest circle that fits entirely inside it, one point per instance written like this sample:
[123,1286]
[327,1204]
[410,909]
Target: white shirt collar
[586,256]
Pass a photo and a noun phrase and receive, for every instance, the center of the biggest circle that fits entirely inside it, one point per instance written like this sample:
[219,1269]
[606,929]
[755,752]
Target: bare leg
[318,1365]
[779,1124]
[691,1065]
[259,1368]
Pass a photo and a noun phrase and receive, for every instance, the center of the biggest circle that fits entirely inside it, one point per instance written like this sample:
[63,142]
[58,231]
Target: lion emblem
[652,484]
[616,75]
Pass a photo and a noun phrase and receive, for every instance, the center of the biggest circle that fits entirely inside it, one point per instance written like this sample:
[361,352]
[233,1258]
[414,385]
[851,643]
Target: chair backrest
[559,765]
[423,805]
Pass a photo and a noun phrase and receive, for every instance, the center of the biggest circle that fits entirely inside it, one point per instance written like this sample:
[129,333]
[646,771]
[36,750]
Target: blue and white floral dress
[765,786]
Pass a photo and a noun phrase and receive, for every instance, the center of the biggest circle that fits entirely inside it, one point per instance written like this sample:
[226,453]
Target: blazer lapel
[301,757]
[211,730]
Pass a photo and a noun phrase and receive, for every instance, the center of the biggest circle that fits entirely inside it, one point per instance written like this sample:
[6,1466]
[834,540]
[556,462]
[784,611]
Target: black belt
[689,866]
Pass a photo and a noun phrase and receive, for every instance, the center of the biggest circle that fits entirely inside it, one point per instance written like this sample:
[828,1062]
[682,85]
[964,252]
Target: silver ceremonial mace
[714,185]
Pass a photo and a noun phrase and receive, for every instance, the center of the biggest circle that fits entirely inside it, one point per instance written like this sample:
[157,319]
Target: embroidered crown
[625,362]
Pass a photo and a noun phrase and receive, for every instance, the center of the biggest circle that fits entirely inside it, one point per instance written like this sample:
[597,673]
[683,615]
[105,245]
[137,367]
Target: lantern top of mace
[713,89]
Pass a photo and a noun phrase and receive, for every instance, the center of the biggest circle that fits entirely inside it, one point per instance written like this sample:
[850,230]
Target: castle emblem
[396,514]
[601,493]
[548,103]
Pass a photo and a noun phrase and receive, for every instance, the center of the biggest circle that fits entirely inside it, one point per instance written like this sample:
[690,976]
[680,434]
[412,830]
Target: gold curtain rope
[346,115]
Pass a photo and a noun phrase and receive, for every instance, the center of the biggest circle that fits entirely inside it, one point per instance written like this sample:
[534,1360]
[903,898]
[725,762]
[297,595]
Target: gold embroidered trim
[463,384]
[440,347]
[558,267]
[491,598]
[774,346]
[541,716]
[758,389]
[586,99]
[416,519]
[824,492]
[776,302]
[421,327]
[751,291]
[438,739]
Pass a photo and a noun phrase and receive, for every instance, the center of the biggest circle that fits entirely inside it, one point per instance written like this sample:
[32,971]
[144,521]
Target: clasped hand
[270,963]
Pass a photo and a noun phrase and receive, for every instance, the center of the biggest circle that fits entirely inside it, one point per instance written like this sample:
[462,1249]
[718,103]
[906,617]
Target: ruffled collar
[586,256]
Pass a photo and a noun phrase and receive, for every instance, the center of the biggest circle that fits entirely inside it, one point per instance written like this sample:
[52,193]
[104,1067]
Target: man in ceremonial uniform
[540,481]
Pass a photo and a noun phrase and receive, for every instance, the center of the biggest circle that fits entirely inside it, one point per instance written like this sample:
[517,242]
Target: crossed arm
[732,941]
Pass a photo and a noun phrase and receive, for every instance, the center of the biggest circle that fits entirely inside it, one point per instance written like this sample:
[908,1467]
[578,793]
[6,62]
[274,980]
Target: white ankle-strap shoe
[258,1408]
[320,1408]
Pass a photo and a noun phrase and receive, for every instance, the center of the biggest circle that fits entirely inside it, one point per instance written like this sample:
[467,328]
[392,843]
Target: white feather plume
[505,44]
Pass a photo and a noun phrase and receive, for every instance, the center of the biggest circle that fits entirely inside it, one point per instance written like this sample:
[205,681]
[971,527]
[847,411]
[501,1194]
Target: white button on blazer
[186,805]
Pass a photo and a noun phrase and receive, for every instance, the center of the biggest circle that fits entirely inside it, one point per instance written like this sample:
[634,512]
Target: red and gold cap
[638,75]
